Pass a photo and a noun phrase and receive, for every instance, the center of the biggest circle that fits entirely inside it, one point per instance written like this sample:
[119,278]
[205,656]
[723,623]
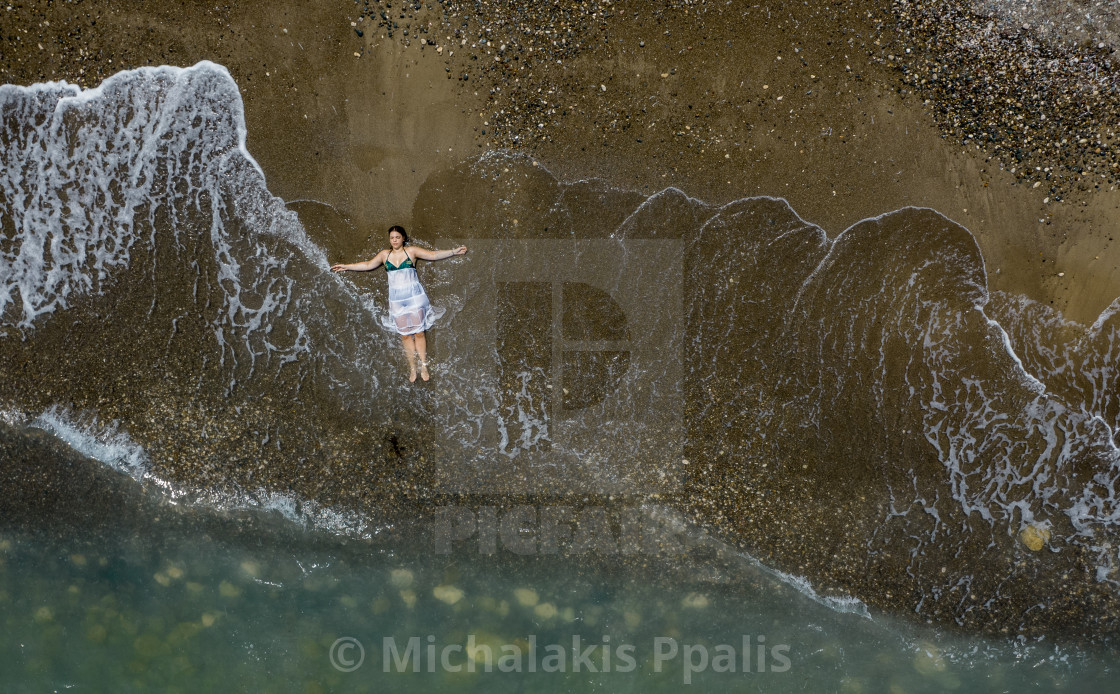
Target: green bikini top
[406,263]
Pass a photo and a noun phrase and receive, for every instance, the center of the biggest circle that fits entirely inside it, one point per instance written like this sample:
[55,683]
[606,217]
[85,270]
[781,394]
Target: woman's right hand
[339,267]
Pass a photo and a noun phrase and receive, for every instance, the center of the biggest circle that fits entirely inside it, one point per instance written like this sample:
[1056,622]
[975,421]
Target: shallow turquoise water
[189,610]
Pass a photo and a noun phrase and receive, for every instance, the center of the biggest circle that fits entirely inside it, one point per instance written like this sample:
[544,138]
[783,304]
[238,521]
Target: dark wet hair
[400,230]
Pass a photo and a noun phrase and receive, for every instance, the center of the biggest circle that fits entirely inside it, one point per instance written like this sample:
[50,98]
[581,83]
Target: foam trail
[105,443]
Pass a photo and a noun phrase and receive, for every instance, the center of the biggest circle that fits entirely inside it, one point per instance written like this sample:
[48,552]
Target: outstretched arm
[425,254]
[370,264]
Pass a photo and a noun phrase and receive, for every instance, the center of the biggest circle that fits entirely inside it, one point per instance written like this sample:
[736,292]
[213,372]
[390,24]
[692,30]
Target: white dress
[409,309]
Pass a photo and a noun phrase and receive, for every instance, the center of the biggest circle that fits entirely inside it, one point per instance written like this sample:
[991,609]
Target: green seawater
[184,609]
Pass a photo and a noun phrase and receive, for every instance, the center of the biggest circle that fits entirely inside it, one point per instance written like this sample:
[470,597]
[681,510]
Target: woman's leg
[422,350]
[409,344]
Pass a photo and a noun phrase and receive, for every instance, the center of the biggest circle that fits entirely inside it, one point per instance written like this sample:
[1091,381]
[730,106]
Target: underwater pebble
[928,660]
[228,590]
[695,601]
[400,578]
[526,597]
[545,610]
[447,594]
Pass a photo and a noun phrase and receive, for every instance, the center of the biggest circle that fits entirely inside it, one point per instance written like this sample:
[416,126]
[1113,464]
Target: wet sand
[779,99]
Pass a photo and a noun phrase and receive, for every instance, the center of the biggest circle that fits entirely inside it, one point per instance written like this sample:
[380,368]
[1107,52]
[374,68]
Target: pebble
[928,661]
[526,597]
[487,647]
[400,578]
[545,610]
[1034,536]
[447,594]
[696,601]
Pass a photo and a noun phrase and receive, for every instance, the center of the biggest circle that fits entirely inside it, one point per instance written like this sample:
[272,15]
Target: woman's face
[395,239]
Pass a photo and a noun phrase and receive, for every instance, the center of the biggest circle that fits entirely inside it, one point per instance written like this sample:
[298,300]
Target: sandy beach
[780,99]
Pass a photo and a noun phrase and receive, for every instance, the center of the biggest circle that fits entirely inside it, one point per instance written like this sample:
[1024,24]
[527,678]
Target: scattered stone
[400,578]
[526,597]
[696,601]
[545,610]
[1034,536]
[447,594]
[928,661]
[1047,108]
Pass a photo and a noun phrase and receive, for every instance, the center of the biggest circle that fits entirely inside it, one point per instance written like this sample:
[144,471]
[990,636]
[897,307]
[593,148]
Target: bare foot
[424,370]
[412,375]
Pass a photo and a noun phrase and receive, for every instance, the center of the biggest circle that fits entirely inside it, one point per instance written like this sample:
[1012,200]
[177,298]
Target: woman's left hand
[460,250]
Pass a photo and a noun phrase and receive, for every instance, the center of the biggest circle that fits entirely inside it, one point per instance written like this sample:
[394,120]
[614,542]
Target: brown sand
[781,99]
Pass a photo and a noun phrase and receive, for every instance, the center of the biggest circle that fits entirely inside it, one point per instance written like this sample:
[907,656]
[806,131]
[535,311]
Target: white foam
[12,417]
[92,173]
[675,522]
[104,442]
[111,445]
[1035,384]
